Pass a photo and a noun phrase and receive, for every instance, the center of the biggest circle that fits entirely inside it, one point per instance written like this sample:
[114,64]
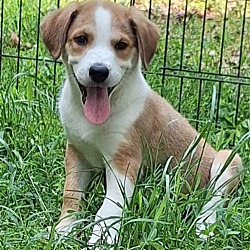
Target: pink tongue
[97,106]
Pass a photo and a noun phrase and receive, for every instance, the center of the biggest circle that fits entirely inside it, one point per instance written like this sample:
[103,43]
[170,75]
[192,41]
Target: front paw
[203,231]
[102,234]
[206,225]
[65,225]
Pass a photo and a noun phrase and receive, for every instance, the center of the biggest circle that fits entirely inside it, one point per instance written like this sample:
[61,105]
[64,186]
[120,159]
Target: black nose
[98,72]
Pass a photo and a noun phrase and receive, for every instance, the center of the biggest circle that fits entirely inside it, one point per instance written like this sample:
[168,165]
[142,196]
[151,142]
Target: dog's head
[99,42]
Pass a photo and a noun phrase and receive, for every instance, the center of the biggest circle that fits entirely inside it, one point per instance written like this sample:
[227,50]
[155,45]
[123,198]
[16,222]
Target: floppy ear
[147,34]
[55,26]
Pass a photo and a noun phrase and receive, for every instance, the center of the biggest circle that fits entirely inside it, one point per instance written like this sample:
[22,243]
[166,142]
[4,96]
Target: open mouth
[96,103]
[84,91]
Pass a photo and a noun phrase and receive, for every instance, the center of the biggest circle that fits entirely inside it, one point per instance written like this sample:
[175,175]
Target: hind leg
[224,183]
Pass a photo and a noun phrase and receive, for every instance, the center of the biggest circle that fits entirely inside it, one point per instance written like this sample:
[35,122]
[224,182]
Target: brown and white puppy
[109,112]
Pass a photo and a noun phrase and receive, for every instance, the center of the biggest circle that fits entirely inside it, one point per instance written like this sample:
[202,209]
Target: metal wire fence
[203,43]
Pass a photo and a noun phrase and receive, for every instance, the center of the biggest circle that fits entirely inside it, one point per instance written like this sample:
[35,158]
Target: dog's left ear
[147,34]
[55,26]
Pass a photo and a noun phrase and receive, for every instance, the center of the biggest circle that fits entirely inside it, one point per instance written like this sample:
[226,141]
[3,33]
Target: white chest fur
[98,142]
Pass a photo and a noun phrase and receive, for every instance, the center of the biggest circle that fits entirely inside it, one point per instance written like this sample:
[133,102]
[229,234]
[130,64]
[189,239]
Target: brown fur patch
[75,49]
[165,133]
[83,24]
[141,30]
[72,188]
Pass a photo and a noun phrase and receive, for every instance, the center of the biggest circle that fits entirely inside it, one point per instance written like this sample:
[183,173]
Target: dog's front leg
[77,178]
[107,220]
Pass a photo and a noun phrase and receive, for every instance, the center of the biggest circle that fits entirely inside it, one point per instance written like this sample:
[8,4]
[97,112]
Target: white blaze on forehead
[103,25]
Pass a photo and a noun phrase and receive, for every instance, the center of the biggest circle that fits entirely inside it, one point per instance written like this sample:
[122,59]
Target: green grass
[32,144]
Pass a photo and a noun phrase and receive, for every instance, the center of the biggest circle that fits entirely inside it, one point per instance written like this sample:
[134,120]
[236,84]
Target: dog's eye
[121,45]
[81,40]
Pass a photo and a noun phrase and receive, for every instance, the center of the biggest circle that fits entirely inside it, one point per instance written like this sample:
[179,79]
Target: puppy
[109,112]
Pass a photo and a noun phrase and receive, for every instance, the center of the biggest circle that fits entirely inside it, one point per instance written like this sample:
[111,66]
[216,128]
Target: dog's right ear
[146,34]
[55,26]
